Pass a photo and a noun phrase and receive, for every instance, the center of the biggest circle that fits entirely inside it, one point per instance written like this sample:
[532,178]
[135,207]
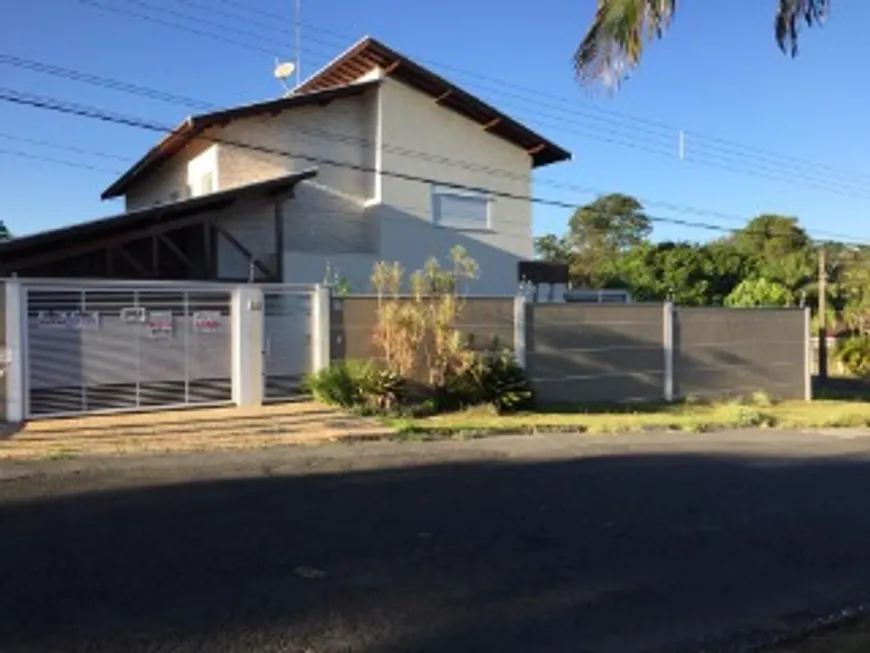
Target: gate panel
[286,342]
[114,349]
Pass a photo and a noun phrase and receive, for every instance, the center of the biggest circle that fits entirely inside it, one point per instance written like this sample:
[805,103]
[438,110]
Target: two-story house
[373,157]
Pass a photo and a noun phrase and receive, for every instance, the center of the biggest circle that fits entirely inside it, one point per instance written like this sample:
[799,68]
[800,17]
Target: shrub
[357,384]
[854,353]
[492,379]
[339,384]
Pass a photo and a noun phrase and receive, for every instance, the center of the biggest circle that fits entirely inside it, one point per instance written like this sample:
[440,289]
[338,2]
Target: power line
[204,21]
[270,25]
[610,115]
[401,151]
[68,148]
[187,101]
[98,80]
[97,114]
[63,162]
[171,25]
[721,162]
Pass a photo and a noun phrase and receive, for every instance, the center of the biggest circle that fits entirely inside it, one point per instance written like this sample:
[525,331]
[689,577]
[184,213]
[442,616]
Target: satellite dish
[283,71]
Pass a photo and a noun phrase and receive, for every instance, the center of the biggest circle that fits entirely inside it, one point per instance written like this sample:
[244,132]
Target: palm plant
[614,43]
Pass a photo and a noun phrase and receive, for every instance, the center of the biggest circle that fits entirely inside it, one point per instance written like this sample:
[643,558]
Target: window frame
[437,191]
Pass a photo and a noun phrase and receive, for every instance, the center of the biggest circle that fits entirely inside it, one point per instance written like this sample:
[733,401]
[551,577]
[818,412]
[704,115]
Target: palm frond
[614,43]
[615,40]
[791,14]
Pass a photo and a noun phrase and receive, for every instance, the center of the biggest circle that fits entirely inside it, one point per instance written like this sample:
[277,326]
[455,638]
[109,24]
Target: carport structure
[175,241]
[132,313]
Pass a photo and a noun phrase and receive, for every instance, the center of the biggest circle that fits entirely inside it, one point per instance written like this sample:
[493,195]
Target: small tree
[759,292]
[424,321]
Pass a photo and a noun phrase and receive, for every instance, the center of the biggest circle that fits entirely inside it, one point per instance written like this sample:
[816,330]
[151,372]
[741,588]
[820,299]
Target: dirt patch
[186,430]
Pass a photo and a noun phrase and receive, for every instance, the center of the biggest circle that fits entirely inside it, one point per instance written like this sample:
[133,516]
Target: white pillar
[808,356]
[16,351]
[520,330]
[247,345]
[321,300]
[668,349]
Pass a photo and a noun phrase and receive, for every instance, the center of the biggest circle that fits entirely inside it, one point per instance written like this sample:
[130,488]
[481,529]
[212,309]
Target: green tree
[553,249]
[600,232]
[657,272]
[614,42]
[780,249]
[5,234]
[760,292]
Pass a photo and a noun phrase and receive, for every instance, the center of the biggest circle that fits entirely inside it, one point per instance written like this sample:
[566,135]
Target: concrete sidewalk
[185,430]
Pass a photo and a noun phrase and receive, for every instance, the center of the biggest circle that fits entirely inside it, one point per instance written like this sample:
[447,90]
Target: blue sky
[717,75]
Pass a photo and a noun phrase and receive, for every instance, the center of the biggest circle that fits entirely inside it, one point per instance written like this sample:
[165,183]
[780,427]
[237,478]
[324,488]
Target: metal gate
[107,348]
[287,319]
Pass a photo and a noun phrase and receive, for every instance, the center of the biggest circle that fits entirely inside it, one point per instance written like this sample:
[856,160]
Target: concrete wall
[605,353]
[595,353]
[3,380]
[413,123]
[353,320]
[739,351]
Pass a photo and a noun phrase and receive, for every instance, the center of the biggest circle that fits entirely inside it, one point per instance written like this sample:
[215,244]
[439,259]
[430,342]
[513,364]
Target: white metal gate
[110,347]
[287,317]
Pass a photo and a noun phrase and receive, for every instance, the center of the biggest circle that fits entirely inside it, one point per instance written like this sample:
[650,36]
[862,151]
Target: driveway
[551,543]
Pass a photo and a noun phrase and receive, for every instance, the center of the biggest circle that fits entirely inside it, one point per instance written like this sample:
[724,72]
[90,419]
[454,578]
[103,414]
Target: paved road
[556,544]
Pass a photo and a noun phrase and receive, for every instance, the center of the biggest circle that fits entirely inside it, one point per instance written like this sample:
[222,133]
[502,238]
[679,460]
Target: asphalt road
[556,544]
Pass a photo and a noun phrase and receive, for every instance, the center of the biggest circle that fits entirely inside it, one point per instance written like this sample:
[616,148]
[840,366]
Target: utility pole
[823,315]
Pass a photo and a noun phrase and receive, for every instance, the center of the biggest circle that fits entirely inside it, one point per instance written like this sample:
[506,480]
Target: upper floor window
[206,184]
[460,208]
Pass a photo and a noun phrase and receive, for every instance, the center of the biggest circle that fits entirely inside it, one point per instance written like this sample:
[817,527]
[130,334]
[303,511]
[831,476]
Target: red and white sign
[207,322]
[160,324]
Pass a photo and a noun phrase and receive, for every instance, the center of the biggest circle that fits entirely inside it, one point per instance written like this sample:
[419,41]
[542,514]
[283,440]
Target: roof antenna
[298,42]
[283,70]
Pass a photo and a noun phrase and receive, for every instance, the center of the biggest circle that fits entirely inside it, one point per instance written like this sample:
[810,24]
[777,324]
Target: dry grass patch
[696,417]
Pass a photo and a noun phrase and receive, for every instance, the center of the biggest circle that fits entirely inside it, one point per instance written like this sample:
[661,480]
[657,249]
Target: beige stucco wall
[168,179]
[417,136]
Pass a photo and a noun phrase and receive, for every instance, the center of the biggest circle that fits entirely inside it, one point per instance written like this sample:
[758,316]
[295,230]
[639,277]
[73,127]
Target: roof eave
[120,185]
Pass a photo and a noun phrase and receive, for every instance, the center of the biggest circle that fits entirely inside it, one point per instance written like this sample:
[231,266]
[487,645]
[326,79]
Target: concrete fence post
[668,350]
[520,304]
[808,356]
[16,351]
[248,347]
[321,300]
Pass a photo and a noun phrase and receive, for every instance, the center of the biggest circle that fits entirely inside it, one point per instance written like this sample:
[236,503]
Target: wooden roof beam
[537,149]
[492,123]
[392,67]
[446,94]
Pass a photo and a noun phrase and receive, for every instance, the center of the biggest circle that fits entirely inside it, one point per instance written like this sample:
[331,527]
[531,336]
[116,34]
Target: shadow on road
[617,553]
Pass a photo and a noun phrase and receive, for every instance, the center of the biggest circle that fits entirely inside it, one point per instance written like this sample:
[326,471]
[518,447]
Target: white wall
[414,121]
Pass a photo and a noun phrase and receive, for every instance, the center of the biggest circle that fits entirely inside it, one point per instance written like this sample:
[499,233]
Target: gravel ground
[652,542]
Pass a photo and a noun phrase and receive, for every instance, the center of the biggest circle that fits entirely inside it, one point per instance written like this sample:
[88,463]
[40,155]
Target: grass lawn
[757,412]
[854,639]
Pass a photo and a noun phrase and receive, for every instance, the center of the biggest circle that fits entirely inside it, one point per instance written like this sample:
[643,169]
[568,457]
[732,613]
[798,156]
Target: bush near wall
[422,328]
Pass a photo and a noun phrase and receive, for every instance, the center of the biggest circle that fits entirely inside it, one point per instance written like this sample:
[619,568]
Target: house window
[459,208]
[206,184]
